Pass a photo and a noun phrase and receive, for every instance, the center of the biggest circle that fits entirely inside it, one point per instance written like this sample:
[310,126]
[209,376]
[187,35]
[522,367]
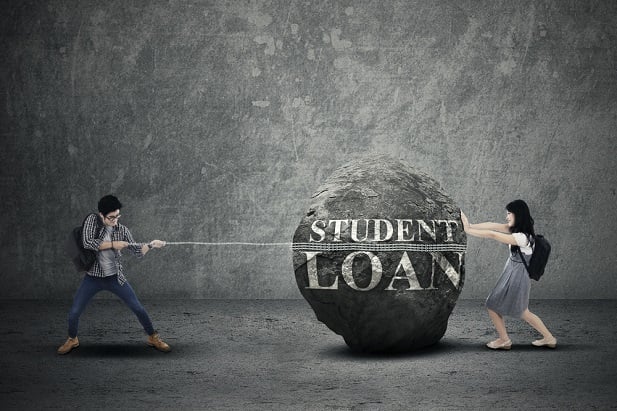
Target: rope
[378,247]
[229,243]
[335,246]
[218,243]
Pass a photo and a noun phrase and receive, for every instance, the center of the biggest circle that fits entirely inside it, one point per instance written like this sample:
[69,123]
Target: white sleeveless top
[523,242]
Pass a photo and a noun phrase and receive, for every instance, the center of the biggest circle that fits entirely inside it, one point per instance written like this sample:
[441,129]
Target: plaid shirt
[93,234]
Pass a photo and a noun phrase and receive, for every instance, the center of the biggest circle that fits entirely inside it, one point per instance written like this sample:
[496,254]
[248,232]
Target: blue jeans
[91,285]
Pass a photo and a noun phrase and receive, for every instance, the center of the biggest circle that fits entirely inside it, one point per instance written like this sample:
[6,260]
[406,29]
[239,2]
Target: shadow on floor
[445,348]
[107,350]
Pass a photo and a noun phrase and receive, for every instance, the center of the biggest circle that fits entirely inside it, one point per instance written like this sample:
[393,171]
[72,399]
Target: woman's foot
[550,342]
[500,344]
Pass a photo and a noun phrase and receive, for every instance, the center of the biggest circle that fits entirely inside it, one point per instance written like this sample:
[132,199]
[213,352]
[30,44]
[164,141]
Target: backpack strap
[521,254]
[523,259]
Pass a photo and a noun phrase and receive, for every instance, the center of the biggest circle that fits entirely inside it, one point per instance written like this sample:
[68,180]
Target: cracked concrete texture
[215,121]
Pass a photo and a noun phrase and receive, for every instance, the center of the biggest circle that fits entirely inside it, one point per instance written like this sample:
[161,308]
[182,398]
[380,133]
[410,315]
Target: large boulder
[379,256]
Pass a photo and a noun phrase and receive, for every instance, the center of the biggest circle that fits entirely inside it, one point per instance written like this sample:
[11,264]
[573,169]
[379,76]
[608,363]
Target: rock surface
[379,256]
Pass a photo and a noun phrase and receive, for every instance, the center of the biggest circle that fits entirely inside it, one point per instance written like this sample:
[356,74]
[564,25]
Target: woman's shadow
[442,348]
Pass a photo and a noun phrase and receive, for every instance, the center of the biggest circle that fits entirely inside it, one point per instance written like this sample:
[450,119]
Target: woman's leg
[537,323]
[126,294]
[499,324]
[88,288]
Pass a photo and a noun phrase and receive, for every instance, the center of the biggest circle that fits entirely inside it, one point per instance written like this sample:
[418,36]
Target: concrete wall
[216,120]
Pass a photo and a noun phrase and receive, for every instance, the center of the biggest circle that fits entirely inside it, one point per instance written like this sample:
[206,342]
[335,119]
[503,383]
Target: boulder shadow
[439,349]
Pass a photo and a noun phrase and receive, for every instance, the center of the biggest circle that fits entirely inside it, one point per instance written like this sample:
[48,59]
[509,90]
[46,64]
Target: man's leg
[126,294]
[88,288]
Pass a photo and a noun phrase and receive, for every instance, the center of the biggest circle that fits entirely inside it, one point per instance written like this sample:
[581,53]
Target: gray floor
[265,354]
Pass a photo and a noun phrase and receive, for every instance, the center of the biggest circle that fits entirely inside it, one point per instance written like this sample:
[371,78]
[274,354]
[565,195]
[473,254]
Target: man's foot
[68,345]
[500,344]
[155,341]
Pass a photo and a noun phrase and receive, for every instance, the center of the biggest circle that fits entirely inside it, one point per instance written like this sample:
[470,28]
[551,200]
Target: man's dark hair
[108,204]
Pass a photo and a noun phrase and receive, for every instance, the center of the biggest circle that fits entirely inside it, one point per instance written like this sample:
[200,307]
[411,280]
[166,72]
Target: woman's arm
[501,237]
[472,229]
[502,228]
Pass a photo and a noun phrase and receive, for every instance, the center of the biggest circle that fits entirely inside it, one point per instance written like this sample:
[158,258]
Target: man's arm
[152,244]
[139,249]
[90,233]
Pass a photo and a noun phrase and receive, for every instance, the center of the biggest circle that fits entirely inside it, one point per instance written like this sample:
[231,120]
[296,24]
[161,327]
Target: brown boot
[155,341]
[68,345]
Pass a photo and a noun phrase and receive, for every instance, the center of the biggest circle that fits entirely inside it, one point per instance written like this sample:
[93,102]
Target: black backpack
[82,258]
[539,257]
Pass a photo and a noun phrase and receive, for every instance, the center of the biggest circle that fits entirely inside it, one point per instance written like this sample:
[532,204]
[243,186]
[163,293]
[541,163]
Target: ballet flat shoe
[495,345]
[546,342]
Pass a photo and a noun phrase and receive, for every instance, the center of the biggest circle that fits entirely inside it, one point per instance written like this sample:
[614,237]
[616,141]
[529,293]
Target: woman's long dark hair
[523,222]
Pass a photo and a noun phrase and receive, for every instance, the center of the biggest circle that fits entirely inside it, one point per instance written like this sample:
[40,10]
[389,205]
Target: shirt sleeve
[134,248]
[523,242]
[90,234]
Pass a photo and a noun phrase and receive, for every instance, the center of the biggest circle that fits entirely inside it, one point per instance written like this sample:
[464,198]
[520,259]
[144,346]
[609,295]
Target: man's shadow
[115,350]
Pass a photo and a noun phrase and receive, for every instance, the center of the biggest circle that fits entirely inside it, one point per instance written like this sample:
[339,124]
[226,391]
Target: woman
[510,296]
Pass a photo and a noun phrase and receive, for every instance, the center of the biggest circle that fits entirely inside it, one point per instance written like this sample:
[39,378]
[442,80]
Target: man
[104,234]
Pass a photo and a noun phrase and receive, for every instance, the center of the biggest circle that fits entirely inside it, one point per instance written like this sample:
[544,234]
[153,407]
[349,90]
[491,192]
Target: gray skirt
[510,296]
